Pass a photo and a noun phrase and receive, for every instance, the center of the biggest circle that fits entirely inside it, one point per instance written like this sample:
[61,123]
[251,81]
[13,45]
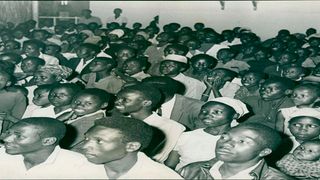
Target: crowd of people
[88,101]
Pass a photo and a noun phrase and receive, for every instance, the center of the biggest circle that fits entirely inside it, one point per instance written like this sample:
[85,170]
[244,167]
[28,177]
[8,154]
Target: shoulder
[273,173]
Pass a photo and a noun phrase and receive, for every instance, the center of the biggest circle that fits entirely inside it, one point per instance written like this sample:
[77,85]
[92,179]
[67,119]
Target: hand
[206,82]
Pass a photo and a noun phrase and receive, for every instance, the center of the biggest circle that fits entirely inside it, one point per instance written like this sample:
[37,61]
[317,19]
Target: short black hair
[49,127]
[133,130]
[269,138]
[110,61]
[147,91]
[166,85]
[37,60]
[213,61]
[284,82]
[74,88]
[33,42]
[92,47]
[184,49]
[102,95]
[310,86]
[46,87]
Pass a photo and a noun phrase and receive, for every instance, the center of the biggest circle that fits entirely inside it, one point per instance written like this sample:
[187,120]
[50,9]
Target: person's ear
[104,105]
[146,103]
[288,92]
[265,152]
[49,141]
[133,146]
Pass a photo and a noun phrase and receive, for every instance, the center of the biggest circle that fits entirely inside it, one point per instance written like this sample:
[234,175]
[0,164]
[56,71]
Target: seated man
[116,143]
[239,155]
[31,151]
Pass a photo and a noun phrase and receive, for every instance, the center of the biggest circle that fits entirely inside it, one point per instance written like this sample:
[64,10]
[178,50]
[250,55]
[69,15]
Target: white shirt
[172,131]
[140,75]
[82,65]
[213,51]
[61,164]
[146,168]
[167,107]
[47,58]
[120,20]
[244,174]
[36,111]
[194,146]
[194,87]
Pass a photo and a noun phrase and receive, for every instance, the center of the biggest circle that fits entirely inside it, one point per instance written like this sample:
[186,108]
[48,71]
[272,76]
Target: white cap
[118,32]
[310,112]
[177,58]
[236,104]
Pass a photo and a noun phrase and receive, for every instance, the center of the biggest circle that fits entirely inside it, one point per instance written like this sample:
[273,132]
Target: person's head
[32,135]
[11,45]
[59,29]
[176,49]
[6,36]
[134,65]
[304,128]
[33,47]
[62,94]
[185,30]
[183,38]
[198,26]
[225,55]
[214,114]
[193,44]
[40,34]
[308,151]
[125,52]
[89,101]
[52,49]
[228,35]
[294,72]
[112,139]
[137,98]
[29,65]
[283,35]
[50,74]
[99,64]
[6,79]
[174,26]
[136,26]
[86,13]
[165,37]
[41,94]
[278,46]
[202,62]
[316,70]
[18,33]
[247,143]
[287,58]
[252,78]
[220,73]
[13,58]
[311,31]
[314,51]
[87,50]
[275,88]
[173,64]
[314,41]
[305,94]
[262,54]
[117,11]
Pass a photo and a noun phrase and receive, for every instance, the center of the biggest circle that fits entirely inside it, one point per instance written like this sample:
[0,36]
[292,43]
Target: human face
[31,50]
[170,68]
[85,104]
[292,73]
[224,55]
[250,79]
[22,139]
[217,74]
[103,145]
[29,66]
[260,55]
[162,37]
[304,128]
[239,145]
[129,102]
[200,65]
[97,66]
[285,59]
[193,45]
[215,114]
[18,34]
[41,77]
[125,54]
[9,46]
[271,91]
[40,97]
[39,36]
[303,96]
[60,96]
[307,151]
[4,81]
[83,52]
[131,67]
[51,50]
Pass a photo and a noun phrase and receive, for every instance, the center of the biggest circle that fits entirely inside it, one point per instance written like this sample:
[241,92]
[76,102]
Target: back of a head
[133,130]
[166,85]
[269,138]
[50,127]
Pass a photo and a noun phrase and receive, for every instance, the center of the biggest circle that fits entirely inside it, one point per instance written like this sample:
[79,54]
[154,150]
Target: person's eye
[297,125]
[241,141]
[99,141]
[310,150]
[312,126]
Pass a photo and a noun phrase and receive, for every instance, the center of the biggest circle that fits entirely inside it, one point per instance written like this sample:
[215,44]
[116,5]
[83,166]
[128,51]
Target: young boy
[139,101]
[173,65]
[116,144]
[226,60]
[86,107]
[33,48]
[273,96]
[239,155]
[294,72]
[284,59]
[133,70]
[29,66]
[217,116]
[200,65]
